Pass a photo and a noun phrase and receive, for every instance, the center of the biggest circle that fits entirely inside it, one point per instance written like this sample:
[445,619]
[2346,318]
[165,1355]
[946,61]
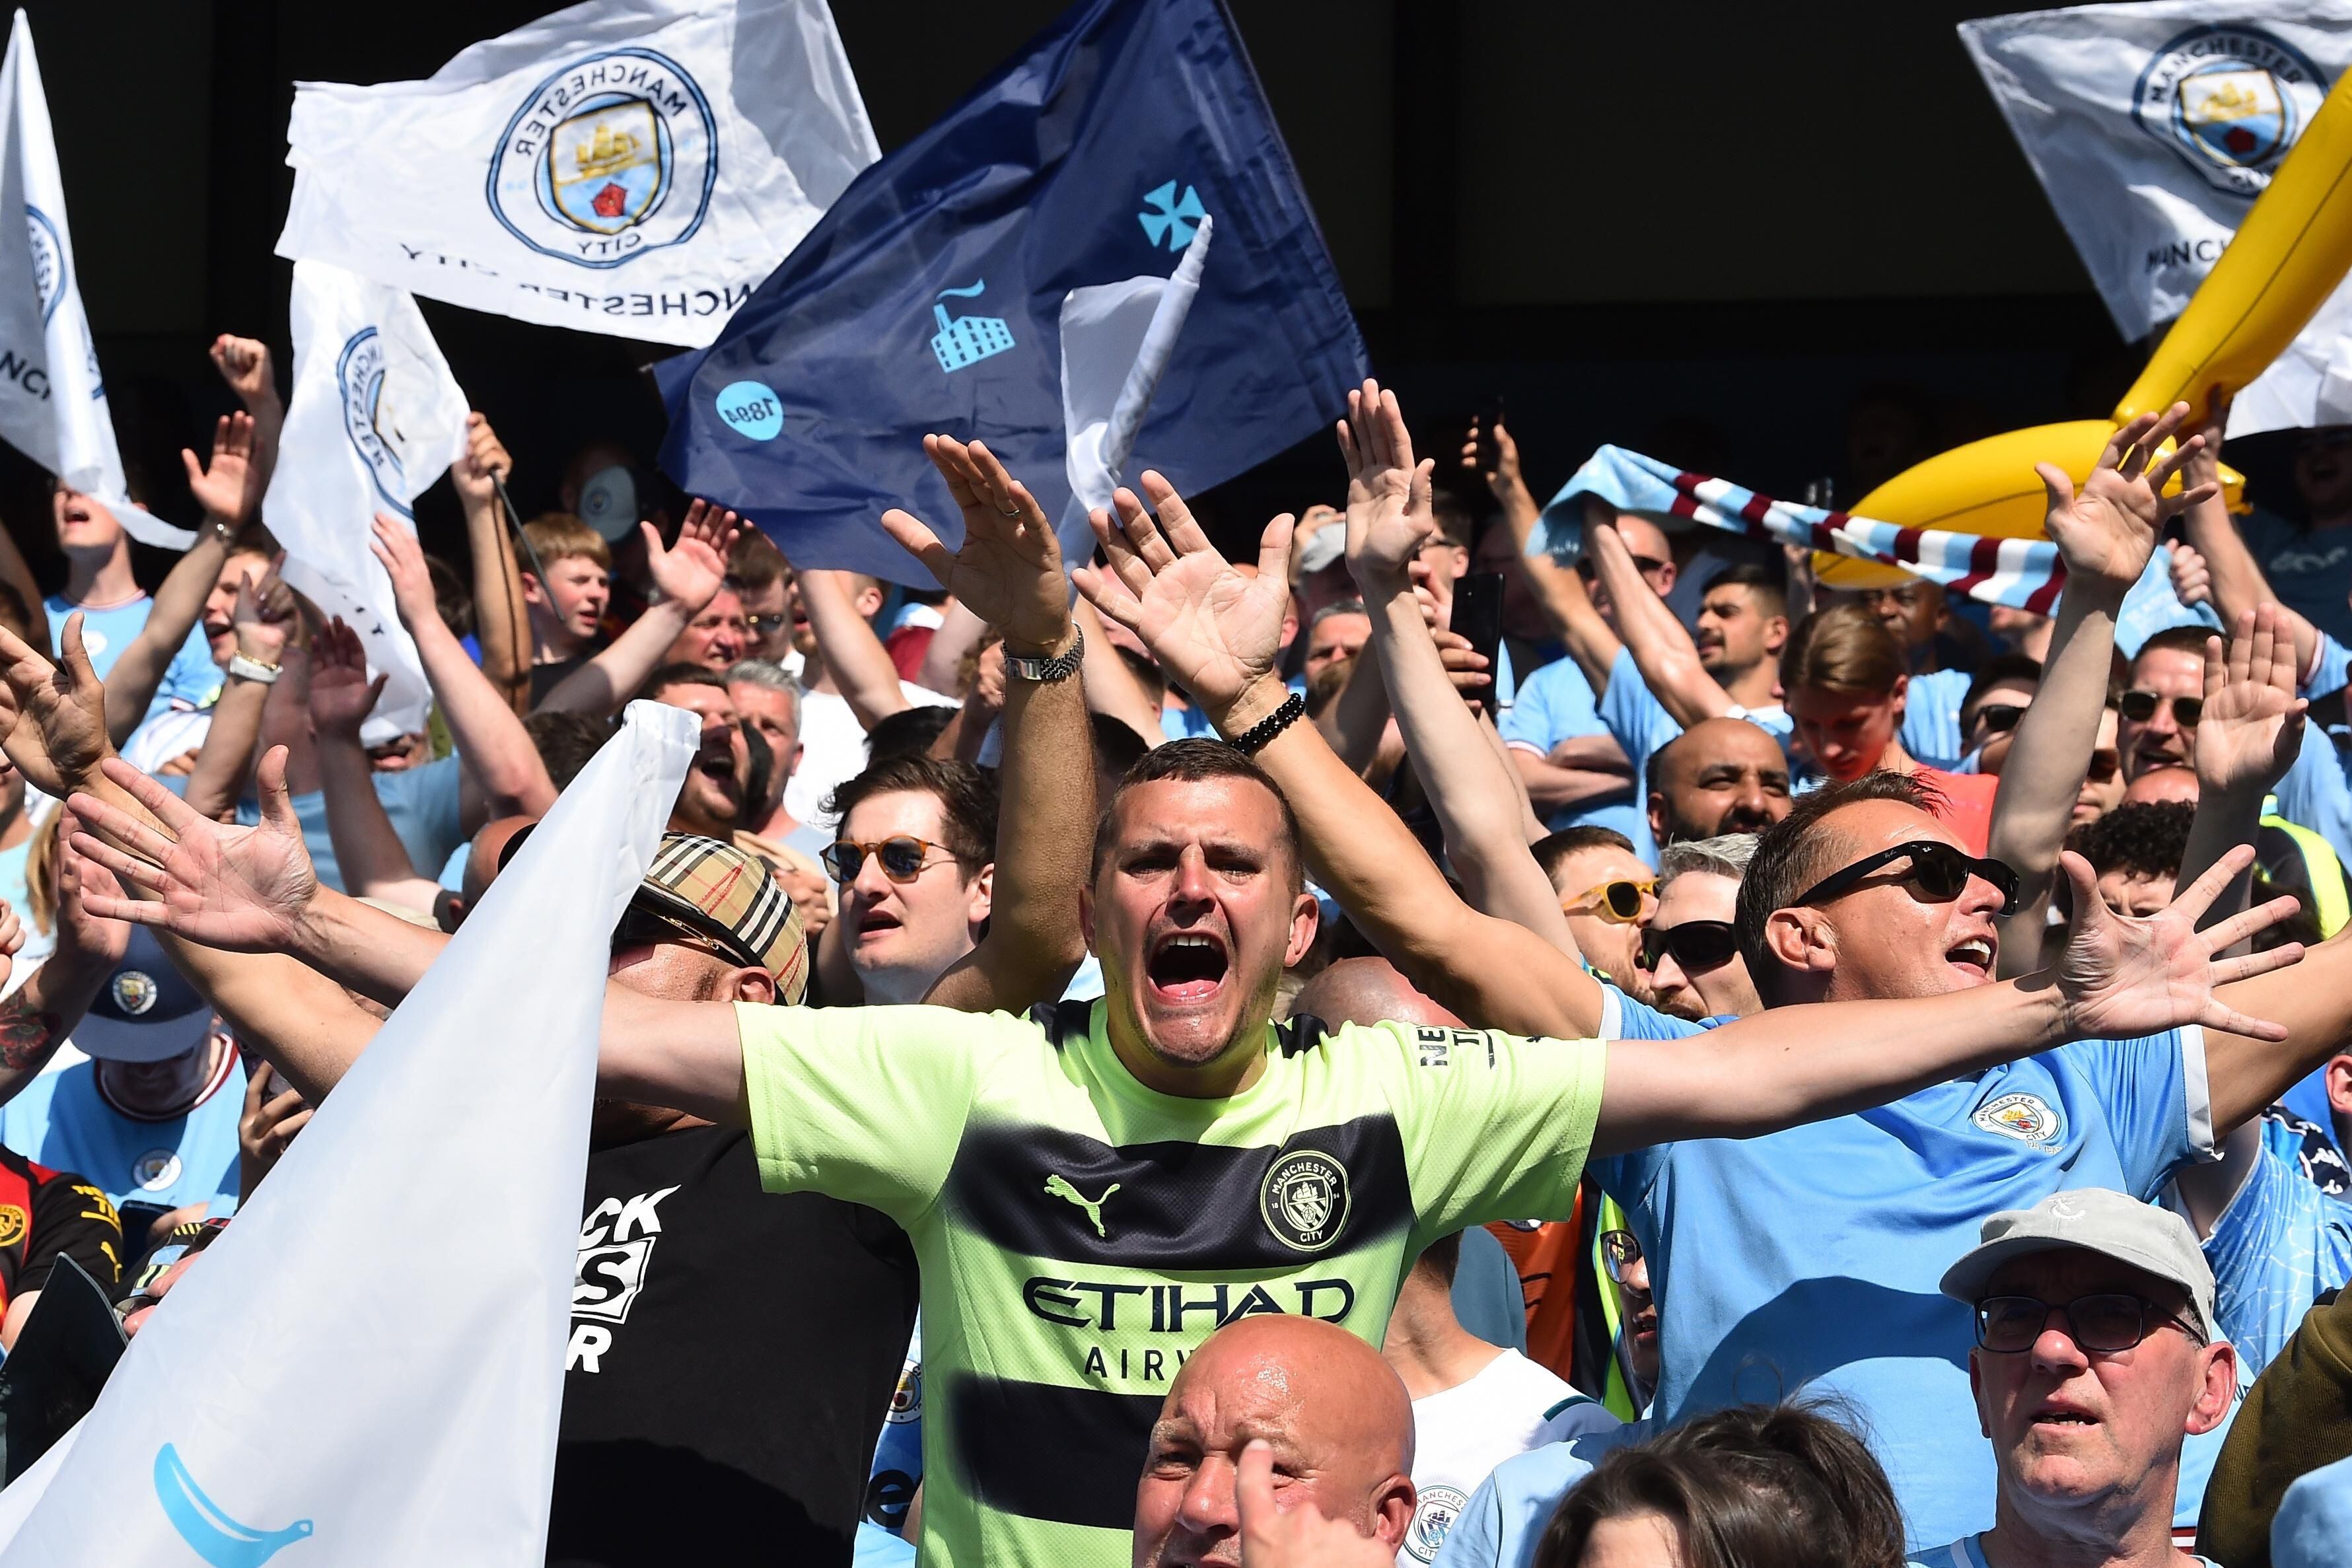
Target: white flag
[312,1386]
[1115,342]
[2153,128]
[375,418]
[52,399]
[626,166]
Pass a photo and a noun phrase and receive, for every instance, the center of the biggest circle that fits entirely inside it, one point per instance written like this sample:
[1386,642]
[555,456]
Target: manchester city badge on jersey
[133,991]
[907,1399]
[613,156]
[1434,1515]
[2028,1118]
[1304,1199]
[2230,100]
[155,1170]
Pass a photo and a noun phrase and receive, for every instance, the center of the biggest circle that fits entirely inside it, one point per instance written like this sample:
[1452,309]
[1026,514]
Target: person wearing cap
[2096,1356]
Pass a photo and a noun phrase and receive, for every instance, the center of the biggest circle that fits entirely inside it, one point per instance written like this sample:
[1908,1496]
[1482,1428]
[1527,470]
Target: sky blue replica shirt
[1931,717]
[1965,1553]
[1503,1520]
[1808,1260]
[425,804]
[192,678]
[63,1121]
[1630,710]
[1555,704]
[2278,1245]
[2310,568]
[2315,1520]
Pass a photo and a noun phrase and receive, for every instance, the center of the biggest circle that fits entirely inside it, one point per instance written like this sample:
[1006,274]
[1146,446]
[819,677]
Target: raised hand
[2122,977]
[1216,631]
[244,364]
[2252,725]
[2107,530]
[242,889]
[229,487]
[58,733]
[484,465]
[264,614]
[692,571]
[267,1123]
[412,580]
[1009,569]
[1504,477]
[1389,514]
[341,695]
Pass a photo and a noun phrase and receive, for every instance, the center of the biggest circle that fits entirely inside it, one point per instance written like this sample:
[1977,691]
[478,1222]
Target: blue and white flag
[53,405]
[2153,127]
[624,166]
[308,1389]
[375,418]
[2022,574]
[930,296]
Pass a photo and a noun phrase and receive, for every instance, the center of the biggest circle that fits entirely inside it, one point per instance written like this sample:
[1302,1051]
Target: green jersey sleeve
[865,1104]
[1494,1126]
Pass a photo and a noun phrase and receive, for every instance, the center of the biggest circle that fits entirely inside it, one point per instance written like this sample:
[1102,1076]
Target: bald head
[2159,785]
[482,860]
[1720,775]
[1336,1417]
[1366,991]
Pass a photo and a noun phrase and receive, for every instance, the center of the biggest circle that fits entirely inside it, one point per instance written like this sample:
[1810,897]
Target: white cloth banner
[52,399]
[1116,342]
[308,1383]
[2153,128]
[626,166]
[375,418]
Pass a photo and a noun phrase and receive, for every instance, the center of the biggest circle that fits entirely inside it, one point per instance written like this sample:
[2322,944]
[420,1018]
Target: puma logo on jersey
[1056,1186]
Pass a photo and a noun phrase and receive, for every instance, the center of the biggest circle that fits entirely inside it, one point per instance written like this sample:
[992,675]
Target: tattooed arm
[39,1016]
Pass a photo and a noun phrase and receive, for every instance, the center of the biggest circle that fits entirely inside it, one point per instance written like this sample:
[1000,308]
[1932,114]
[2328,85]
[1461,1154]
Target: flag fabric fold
[633,167]
[930,298]
[2153,128]
[376,416]
[53,405]
[310,1388]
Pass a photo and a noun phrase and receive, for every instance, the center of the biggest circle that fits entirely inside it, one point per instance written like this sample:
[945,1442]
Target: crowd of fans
[1181,1060]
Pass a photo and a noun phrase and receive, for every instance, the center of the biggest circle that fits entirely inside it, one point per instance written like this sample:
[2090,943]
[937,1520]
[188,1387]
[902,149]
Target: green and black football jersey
[1079,1234]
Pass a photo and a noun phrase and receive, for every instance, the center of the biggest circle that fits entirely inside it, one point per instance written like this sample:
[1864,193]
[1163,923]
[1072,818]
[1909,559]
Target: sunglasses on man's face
[1939,871]
[2000,718]
[1695,945]
[2110,1322]
[2139,707]
[1619,902]
[902,855]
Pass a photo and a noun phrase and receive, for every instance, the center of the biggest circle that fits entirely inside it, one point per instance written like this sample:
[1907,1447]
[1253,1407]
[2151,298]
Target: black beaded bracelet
[1260,735]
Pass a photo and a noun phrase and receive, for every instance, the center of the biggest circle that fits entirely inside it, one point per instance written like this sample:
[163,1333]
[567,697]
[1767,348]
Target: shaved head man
[1367,991]
[1337,1417]
[1720,775]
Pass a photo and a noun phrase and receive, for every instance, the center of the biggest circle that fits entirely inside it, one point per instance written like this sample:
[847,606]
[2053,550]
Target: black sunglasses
[2139,707]
[1939,870]
[643,927]
[2109,1321]
[2000,718]
[1695,945]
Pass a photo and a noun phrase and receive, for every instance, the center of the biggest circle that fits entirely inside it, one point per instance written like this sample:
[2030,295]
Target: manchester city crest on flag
[49,260]
[2229,101]
[371,418]
[613,156]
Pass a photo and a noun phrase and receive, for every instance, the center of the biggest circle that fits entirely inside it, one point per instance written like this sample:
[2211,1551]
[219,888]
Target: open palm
[237,888]
[1215,630]
[1008,571]
[1390,513]
[225,486]
[59,732]
[2121,977]
[2107,531]
[693,570]
[2252,724]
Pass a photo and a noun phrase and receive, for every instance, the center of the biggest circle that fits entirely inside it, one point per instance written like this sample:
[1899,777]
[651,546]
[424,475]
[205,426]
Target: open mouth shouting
[1187,967]
[1974,957]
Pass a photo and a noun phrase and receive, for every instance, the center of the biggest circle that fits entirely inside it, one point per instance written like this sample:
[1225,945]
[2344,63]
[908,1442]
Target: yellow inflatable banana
[2289,255]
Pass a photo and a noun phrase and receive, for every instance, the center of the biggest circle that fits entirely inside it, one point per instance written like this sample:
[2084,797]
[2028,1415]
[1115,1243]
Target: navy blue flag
[929,298]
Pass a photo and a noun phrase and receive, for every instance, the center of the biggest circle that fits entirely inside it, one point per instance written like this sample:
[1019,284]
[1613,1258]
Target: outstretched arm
[35,1019]
[501,615]
[244,364]
[1557,590]
[853,655]
[375,863]
[227,491]
[2105,535]
[492,744]
[264,616]
[1662,648]
[2236,577]
[689,574]
[1009,571]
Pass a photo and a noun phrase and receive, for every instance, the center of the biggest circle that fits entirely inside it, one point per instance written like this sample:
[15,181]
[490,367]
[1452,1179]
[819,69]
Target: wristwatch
[243,668]
[1044,671]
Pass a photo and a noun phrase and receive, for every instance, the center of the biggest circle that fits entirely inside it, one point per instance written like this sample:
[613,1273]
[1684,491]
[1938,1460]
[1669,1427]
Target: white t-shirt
[1462,1434]
[832,749]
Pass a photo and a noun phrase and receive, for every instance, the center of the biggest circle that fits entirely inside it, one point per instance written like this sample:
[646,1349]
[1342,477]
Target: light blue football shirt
[1807,1261]
[1931,717]
[2279,1243]
[2315,1520]
[1555,704]
[191,677]
[61,1121]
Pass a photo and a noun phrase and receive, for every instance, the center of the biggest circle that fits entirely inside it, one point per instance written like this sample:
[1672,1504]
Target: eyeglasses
[1999,717]
[1695,946]
[1619,1252]
[903,858]
[1620,901]
[1939,870]
[2106,1322]
[2139,707]
[643,927]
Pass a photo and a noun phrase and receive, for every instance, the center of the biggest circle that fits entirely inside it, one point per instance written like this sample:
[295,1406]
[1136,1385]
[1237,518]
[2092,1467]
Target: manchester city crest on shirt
[2229,101]
[1434,1515]
[1304,1199]
[613,156]
[2028,1118]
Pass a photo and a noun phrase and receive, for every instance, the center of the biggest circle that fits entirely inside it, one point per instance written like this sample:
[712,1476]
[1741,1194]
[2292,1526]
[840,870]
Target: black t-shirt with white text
[732,1352]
